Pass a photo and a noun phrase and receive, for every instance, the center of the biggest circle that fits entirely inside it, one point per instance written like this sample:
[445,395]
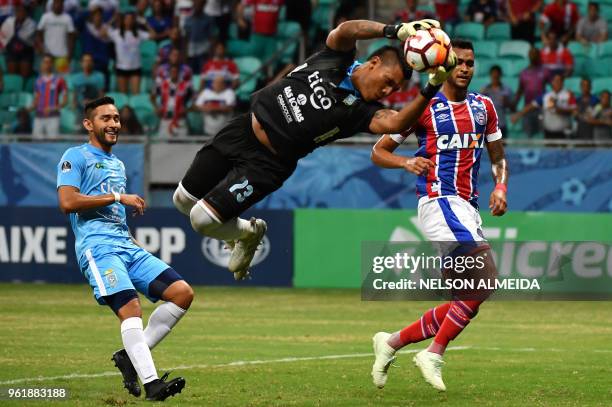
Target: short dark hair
[385,51]
[462,44]
[594,4]
[586,78]
[496,68]
[94,104]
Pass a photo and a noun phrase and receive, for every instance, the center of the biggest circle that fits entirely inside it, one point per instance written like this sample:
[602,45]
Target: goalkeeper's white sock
[161,321]
[137,349]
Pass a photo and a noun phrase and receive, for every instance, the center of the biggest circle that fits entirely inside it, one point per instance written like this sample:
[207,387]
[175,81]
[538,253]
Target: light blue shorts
[111,269]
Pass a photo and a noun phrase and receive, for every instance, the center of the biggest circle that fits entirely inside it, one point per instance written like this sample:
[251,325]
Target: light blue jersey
[107,256]
[95,172]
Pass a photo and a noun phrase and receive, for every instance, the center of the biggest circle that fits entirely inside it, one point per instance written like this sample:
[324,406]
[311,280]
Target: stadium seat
[513,66]
[195,123]
[478,83]
[486,49]
[514,49]
[121,99]
[247,67]
[24,99]
[599,68]
[322,15]
[470,31]
[498,31]
[147,118]
[67,121]
[573,84]
[12,83]
[195,83]
[482,67]
[2,62]
[580,65]
[376,44]
[600,84]
[148,54]
[146,84]
[576,48]
[8,100]
[512,82]
[605,49]
[286,31]
[239,48]
[140,101]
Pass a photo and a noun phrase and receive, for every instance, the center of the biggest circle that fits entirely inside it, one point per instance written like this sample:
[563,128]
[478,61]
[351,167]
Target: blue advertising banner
[37,244]
[28,171]
[542,179]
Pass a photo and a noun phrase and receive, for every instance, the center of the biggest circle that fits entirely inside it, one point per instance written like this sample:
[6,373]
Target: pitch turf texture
[293,347]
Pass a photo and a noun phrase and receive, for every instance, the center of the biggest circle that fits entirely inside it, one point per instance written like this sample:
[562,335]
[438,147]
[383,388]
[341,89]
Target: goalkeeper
[328,97]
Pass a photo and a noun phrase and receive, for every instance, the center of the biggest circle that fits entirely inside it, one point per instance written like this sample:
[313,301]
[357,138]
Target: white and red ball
[427,49]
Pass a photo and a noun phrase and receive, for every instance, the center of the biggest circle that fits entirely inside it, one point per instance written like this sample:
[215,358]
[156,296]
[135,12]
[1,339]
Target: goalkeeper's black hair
[384,53]
[91,106]
[462,44]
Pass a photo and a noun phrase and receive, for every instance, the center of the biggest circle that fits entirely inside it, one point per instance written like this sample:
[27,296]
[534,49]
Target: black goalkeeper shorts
[234,170]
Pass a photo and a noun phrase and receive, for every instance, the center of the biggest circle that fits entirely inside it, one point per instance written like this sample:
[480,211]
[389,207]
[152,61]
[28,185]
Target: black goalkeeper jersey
[310,107]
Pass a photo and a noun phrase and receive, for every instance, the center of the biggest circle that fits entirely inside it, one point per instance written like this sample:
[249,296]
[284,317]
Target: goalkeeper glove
[439,75]
[403,31]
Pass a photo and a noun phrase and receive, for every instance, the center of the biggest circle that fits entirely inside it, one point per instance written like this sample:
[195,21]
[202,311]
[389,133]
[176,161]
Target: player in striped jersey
[451,134]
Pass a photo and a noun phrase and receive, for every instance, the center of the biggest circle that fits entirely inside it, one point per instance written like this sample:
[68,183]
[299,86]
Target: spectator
[183,9]
[159,22]
[584,103]
[170,99]
[18,35]
[198,31]
[174,58]
[128,65]
[71,7]
[500,94]
[8,8]
[141,11]
[592,28]
[521,14]
[482,11]
[558,107]
[23,122]
[56,32]
[130,125]
[410,13]
[447,11]
[50,95]
[109,7]
[217,105]
[532,83]
[264,24]
[561,17]
[600,117]
[221,12]
[555,57]
[95,42]
[220,65]
[300,11]
[87,84]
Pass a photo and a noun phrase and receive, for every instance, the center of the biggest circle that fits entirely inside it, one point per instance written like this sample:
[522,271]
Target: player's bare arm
[383,156]
[499,169]
[71,200]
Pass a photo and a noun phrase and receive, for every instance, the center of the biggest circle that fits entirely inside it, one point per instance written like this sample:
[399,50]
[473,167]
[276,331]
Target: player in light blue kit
[91,188]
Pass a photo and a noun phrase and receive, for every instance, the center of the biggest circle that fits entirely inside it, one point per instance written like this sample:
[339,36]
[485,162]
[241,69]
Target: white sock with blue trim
[136,347]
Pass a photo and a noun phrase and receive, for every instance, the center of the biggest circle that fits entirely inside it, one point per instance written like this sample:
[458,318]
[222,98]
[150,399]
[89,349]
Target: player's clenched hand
[134,201]
[497,202]
[418,165]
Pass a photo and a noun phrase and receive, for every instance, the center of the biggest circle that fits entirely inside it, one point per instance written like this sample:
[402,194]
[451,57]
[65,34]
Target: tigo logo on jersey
[318,92]
[458,141]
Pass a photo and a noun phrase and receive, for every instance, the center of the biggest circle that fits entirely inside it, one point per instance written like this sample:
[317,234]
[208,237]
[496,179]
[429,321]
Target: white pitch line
[230,364]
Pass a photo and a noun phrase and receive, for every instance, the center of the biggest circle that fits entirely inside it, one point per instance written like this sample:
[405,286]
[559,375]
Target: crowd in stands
[179,67]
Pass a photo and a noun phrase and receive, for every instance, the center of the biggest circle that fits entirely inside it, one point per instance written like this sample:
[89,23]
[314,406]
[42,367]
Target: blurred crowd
[178,67]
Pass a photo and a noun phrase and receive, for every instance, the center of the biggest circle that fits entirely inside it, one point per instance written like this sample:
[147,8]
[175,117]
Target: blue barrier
[37,244]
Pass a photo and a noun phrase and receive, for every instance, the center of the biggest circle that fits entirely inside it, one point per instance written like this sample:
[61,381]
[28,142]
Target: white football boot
[385,356]
[430,365]
[244,249]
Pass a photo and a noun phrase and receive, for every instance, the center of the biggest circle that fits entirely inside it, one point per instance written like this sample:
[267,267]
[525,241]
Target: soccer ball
[427,49]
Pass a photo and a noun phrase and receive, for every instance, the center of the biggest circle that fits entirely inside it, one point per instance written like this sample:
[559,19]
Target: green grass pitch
[268,347]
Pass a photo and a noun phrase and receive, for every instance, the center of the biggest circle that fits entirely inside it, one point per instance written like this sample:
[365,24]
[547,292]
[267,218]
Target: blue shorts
[111,269]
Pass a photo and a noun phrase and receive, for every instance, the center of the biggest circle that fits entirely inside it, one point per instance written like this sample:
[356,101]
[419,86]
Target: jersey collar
[96,150]
[347,84]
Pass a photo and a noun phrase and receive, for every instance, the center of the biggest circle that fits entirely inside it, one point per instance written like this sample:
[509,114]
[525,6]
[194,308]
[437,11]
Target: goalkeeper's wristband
[502,187]
[429,91]
[390,31]
[117,197]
